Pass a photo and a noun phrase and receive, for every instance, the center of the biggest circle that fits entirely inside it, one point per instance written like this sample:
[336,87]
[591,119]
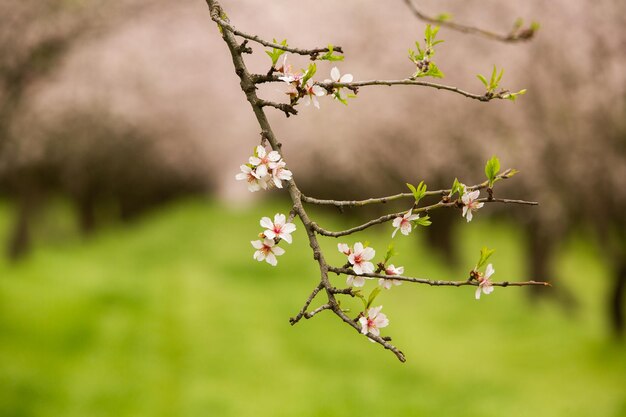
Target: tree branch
[215,16]
[382,200]
[438,283]
[516,35]
[388,217]
[307,303]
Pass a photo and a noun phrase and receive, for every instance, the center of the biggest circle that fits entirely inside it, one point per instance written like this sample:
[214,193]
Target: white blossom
[280,173]
[250,175]
[373,321]
[267,250]
[336,77]
[312,92]
[484,285]
[471,204]
[279,228]
[391,270]
[360,258]
[404,223]
[344,248]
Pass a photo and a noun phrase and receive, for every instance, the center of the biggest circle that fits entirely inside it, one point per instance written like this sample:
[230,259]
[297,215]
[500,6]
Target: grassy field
[173,317]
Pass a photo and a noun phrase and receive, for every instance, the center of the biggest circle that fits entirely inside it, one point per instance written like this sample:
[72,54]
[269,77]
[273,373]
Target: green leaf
[423,221]
[513,96]
[512,172]
[434,71]
[457,187]
[500,76]
[491,169]
[444,17]
[390,252]
[310,72]
[328,56]
[275,53]
[418,192]
[483,80]
[493,76]
[485,253]
[372,297]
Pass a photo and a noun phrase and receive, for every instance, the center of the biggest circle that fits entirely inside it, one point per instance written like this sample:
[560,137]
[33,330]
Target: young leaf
[484,255]
[434,71]
[491,170]
[418,192]
[423,221]
[310,72]
[457,187]
[372,297]
[444,17]
[328,56]
[275,53]
[390,252]
[483,80]
[513,96]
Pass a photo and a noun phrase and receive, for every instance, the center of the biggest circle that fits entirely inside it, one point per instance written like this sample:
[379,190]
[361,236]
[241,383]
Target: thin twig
[381,200]
[513,36]
[438,283]
[310,314]
[307,303]
[388,217]
[288,109]
[311,52]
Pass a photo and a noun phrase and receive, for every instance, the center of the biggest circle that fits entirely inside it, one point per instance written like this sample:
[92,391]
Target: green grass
[173,317]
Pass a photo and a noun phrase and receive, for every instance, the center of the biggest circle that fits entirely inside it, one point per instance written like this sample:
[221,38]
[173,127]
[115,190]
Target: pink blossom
[336,77]
[391,270]
[267,250]
[344,248]
[355,281]
[312,93]
[484,284]
[471,204]
[360,258]
[263,161]
[255,183]
[279,228]
[289,76]
[280,173]
[373,321]
[404,223]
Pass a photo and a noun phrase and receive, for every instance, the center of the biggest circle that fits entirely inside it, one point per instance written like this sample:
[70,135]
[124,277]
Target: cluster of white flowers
[312,91]
[266,249]
[264,170]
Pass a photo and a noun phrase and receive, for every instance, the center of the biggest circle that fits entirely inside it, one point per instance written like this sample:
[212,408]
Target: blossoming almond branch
[266,169]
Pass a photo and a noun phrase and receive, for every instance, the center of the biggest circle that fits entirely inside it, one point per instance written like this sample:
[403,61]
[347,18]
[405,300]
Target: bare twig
[288,109]
[439,283]
[515,35]
[381,200]
[307,303]
[311,52]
